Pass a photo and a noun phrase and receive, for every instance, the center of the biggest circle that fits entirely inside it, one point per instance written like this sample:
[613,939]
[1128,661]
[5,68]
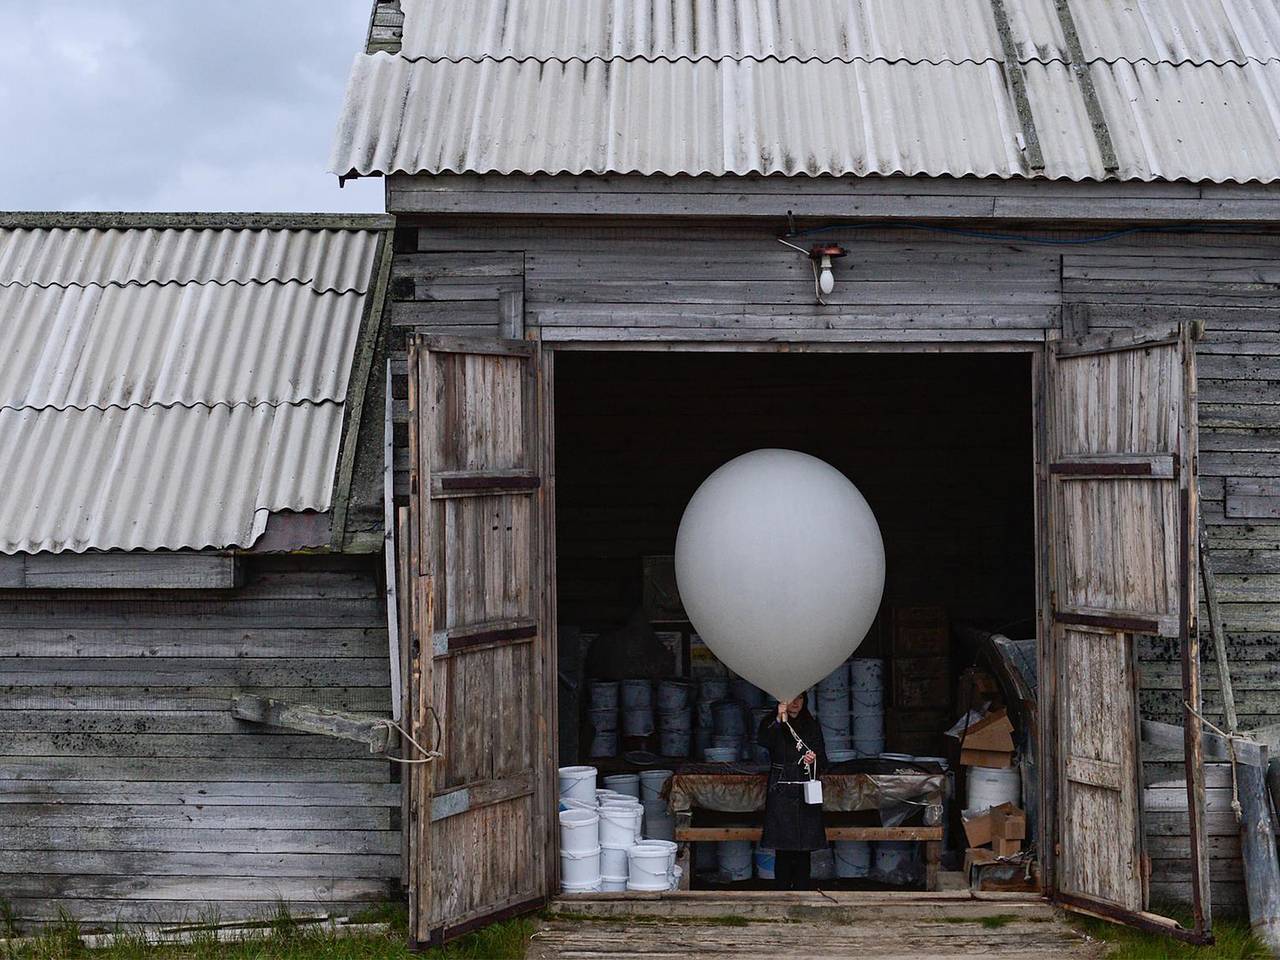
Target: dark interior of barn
[940,445]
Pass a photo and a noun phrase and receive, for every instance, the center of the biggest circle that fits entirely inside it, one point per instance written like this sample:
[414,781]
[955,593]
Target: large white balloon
[780,566]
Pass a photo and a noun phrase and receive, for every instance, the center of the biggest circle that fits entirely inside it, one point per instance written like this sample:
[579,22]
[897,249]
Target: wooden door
[1122,509]
[479,813]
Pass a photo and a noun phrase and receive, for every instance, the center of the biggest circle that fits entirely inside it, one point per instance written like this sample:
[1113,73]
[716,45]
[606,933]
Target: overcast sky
[176,104]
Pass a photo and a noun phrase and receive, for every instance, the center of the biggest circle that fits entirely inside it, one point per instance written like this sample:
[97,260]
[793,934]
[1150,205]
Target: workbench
[871,800]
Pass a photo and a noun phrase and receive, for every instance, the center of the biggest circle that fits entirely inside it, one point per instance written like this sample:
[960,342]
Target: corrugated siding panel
[696,117]
[339,260]
[175,344]
[153,478]
[934,31]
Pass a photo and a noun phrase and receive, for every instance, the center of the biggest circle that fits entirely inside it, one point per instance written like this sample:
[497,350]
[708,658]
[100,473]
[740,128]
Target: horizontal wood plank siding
[128,791]
[689,272]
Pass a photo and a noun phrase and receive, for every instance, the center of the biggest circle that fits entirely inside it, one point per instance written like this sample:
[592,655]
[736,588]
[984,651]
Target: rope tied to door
[428,756]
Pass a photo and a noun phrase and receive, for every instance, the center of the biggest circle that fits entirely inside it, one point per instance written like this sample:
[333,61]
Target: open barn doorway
[942,447]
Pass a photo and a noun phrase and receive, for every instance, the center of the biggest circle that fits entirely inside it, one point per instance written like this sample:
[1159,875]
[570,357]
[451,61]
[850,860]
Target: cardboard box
[1005,822]
[1006,848]
[985,758]
[993,732]
[976,855]
[1009,823]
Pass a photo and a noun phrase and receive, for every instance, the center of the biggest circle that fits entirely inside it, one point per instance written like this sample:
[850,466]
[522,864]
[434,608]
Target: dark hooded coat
[789,822]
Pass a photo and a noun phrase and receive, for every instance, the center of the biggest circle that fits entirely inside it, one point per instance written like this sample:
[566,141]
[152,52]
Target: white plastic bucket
[866,676]
[580,867]
[853,858]
[579,830]
[613,861]
[834,727]
[746,692]
[581,887]
[652,782]
[675,742]
[765,860]
[868,748]
[730,718]
[720,754]
[619,824]
[868,726]
[991,786]
[604,693]
[647,868]
[893,861]
[627,784]
[604,743]
[834,687]
[659,824]
[840,756]
[602,795]
[735,860]
[674,695]
[637,721]
[568,803]
[604,719]
[578,783]
[668,847]
[610,884]
[637,693]
[713,688]
[822,864]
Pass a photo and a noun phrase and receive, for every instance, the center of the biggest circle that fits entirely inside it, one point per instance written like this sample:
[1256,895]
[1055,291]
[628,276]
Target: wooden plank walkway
[803,925]
[581,939]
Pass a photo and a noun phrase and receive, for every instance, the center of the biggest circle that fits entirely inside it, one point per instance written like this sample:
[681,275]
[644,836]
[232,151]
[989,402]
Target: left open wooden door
[479,813]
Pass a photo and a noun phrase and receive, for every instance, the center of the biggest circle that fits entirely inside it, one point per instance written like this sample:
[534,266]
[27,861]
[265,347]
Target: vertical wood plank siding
[637,279]
[127,790]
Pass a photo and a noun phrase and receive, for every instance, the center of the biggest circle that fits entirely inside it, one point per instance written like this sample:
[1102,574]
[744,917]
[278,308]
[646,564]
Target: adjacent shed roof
[1188,89]
[169,387]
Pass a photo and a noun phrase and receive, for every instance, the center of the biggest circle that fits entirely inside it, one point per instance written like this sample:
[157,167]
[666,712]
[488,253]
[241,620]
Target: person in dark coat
[792,828]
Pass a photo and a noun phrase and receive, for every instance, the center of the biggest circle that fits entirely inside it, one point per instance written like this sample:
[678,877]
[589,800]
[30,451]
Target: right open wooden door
[1122,512]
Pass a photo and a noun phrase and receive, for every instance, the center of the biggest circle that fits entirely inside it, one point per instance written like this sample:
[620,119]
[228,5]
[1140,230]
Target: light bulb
[826,279]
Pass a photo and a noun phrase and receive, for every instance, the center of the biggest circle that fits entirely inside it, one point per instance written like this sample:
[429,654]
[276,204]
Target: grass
[278,937]
[1232,941]
[998,921]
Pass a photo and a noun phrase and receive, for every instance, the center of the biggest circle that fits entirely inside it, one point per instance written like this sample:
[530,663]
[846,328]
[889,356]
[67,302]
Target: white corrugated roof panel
[172,344]
[838,87]
[153,478]
[339,260]
[934,31]
[169,388]
[687,116]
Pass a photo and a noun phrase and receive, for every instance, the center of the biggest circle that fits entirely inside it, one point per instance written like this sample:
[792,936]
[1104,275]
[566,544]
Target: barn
[1008,264]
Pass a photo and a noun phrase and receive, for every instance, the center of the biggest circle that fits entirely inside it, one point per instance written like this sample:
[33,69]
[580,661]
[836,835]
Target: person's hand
[810,758]
[782,713]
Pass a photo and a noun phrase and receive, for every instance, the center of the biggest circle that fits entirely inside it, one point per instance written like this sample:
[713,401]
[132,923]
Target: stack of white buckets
[603,843]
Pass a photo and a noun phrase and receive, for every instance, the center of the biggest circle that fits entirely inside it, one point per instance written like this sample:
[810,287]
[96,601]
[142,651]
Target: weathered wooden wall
[127,790]
[635,279]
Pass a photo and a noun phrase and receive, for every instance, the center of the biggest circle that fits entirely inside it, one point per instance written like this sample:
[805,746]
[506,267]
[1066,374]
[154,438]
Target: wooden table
[730,788]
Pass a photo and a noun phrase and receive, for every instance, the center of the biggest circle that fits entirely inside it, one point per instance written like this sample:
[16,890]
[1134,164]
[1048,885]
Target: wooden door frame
[1036,349]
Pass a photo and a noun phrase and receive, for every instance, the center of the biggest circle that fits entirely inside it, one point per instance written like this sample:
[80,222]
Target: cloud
[178,105]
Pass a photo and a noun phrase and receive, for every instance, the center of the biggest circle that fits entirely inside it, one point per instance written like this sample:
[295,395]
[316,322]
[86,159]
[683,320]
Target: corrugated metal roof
[696,117]
[190,343]
[1167,122]
[169,388]
[844,87]
[1155,31]
[936,31]
[338,260]
[152,478]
